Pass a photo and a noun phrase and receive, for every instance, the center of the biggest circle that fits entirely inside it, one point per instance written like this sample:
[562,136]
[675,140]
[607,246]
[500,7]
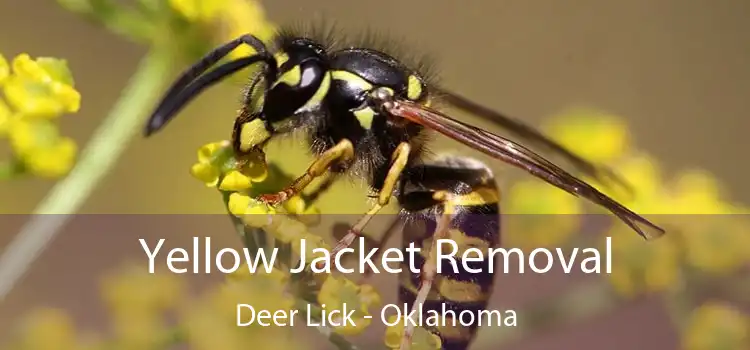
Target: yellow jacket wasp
[367,113]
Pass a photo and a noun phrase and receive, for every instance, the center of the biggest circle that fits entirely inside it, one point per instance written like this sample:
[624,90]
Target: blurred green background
[676,71]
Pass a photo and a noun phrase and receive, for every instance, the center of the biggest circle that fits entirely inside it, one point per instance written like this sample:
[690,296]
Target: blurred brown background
[677,70]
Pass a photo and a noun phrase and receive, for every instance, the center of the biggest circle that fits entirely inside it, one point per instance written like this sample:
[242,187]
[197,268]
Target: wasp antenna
[169,108]
[175,95]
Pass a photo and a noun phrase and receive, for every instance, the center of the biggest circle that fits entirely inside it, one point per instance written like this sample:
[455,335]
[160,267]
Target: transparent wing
[535,138]
[519,156]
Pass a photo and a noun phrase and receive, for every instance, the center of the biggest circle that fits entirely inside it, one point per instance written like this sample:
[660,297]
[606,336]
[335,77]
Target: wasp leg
[381,244]
[429,268]
[341,152]
[399,161]
[314,194]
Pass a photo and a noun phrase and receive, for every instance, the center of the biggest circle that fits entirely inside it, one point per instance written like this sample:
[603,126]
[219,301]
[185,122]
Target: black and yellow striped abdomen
[458,295]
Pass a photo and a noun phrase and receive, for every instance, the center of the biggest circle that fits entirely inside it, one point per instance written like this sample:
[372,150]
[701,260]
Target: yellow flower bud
[41,87]
[289,230]
[207,152]
[4,69]
[295,205]
[53,161]
[597,136]
[198,10]
[234,181]
[337,292]
[716,325]
[238,204]
[5,117]
[548,216]
[40,99]
[49,329]
[206,173]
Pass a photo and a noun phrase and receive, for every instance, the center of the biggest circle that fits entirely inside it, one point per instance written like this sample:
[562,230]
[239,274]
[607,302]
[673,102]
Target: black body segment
[475,223]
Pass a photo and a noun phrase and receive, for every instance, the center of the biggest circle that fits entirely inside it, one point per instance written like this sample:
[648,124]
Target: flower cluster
[241,182]
[716,325]
[36,93]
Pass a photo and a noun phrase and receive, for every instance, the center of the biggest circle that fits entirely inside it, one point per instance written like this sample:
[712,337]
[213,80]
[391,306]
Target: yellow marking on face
[351,78]
[253,134]
[291,77]
[321,93]
[480,196]
[414,88]
[281,58]
[365,117]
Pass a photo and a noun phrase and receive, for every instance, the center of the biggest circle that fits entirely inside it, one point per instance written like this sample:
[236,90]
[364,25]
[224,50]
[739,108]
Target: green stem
[96,160]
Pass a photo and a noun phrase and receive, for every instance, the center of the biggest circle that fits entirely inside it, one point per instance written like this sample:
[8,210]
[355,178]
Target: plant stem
[96,160]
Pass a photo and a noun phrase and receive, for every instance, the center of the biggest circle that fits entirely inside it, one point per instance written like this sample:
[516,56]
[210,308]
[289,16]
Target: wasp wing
[519,156]
[530,134]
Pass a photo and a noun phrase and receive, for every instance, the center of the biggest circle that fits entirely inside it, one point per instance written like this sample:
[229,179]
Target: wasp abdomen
[461,289]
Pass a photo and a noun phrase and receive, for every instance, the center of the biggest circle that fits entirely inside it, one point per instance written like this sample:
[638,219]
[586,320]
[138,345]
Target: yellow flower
[337,293]
[422,339]
[48,329]
[216,161]
[643,173]
[240,17]
[715,243]
[288,230]
[595,135]
[133,289]
[697,192]
[4,69]
[37,143]
[716,325]
[639,266]
[41,88]
[541,215]
[198,10]
[6,116]
[210,322]
[235,181]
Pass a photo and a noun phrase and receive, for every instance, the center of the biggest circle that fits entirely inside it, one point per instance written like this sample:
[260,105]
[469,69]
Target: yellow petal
[238,203]
[234,181]
[24,66]
[240,17]
[205,173]
[5,117]
[69,98]
[35,98]
[4,69]
[53,161]
[289,230]
[295,205]
[27,135]
[207,152]
[198,10]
